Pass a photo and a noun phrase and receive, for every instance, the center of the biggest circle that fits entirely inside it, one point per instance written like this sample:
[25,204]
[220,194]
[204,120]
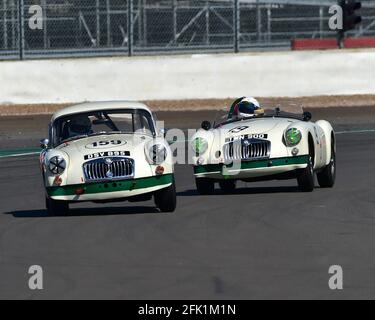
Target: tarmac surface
[267,240]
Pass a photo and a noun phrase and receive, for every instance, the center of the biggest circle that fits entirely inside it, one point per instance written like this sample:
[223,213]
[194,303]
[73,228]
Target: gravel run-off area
[207,104]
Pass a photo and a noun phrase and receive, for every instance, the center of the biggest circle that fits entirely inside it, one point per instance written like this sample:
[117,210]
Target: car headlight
[158,153]
[57,165]
[200,145]
[293,137]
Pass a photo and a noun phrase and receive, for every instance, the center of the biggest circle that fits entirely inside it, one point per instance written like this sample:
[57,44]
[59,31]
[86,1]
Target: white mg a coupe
[254,144]
[106,152]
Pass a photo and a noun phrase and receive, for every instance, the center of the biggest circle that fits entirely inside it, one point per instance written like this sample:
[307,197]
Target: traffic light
[350,18]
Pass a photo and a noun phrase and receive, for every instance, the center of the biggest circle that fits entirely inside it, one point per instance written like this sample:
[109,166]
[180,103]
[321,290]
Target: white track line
[19,155]
[356,131]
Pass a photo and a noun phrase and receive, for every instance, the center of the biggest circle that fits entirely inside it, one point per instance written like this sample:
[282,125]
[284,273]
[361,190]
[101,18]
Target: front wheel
[327,177]
[205,186]
[305,178]
[57,208]
[166,199]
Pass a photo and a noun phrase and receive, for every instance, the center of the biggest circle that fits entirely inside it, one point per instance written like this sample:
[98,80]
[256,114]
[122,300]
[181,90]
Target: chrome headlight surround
[293,137]
[57,165]
[199,145]
[157,154]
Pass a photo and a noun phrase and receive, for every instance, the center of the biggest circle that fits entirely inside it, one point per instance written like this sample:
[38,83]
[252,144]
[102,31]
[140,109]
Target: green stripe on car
[277,162]
[114,186]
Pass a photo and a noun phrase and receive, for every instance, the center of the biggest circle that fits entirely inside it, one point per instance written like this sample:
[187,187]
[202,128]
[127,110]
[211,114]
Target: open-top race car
[253,144]
[104,152]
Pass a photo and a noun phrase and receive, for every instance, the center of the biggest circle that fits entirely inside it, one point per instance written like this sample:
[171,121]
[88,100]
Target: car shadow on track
[244,191]
[42,213]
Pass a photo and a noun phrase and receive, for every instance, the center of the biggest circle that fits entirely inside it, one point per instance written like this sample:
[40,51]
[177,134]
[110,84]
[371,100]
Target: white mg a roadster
[254,144]
[105,152]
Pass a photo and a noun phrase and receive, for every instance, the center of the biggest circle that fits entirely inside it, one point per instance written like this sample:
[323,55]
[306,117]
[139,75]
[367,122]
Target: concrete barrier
[271,74]
[364,42]
[327,44]
[314,44]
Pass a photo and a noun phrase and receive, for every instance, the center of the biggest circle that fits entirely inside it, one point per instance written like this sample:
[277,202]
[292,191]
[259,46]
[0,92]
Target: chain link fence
[9,26]
[72,28]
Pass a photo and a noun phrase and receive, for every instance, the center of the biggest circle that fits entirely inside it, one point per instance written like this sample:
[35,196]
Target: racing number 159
[106,143]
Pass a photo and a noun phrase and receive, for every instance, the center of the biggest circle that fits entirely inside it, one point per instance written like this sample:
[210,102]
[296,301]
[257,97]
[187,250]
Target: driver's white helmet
[80,125]
[248,107]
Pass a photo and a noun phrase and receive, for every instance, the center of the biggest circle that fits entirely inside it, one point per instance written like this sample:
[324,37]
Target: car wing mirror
[44,143]
[206,125]
[307,116]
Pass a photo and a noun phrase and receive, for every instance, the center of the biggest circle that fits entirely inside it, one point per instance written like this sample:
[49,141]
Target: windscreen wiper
[75,138]
[97,133]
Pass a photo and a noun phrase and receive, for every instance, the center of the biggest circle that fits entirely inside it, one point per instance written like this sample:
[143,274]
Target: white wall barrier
[271,74]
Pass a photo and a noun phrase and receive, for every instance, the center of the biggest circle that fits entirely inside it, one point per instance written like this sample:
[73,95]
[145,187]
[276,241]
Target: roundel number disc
[239,129]
[105,144]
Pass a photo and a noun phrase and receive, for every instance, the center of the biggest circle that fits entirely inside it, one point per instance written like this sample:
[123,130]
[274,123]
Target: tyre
[327,177]
[57,208]
[166,199]
[228,186]
[306,181]
[205,186]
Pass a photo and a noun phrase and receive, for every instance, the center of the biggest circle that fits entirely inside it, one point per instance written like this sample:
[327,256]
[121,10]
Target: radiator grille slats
[247,150]
[109,169]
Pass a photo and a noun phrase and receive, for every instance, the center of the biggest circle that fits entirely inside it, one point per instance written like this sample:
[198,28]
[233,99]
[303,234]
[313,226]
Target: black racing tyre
[166,199]
[327,177]
[57,208]
[205,186]
[306,181]
[228,186]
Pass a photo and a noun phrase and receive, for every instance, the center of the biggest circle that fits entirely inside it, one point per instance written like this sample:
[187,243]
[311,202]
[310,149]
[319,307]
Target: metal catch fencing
[73,28]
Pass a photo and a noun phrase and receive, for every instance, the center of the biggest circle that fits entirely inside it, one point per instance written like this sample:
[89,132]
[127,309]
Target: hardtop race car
[268,145]
[106,152]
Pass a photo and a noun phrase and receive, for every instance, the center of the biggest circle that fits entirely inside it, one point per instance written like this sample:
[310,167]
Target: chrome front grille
[248,149]
[109,169]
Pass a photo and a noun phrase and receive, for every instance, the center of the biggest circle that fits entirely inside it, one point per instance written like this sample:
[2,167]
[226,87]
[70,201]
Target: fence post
[174,10]
[259,21]
[45,31]
[21,31]
[130,27]
[5,25]
[97,12]
[236,19]
[321,26]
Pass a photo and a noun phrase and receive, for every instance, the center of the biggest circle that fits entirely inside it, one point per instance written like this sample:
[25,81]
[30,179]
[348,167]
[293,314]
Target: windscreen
[82,125]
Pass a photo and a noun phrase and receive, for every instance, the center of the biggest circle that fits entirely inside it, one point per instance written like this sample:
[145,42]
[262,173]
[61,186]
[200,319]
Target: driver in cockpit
[248,107]
[79,126]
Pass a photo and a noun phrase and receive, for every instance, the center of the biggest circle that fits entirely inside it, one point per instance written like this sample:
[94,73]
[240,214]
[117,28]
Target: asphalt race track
[268,240]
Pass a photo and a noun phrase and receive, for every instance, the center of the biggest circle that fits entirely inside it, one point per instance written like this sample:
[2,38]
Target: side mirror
[44,144]
[307,116]
[206,125]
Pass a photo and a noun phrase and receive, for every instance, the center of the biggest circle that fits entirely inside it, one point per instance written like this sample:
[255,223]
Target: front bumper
[110,190]
[252,169]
